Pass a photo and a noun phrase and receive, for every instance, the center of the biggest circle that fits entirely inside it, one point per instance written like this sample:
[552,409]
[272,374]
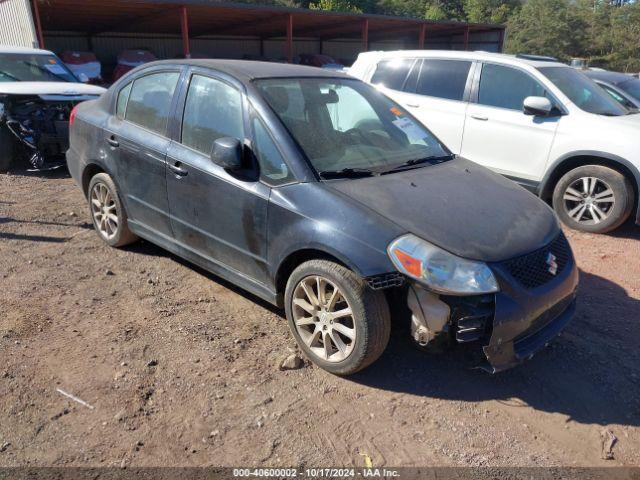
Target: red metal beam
[423,34]
[36,15]
[365,35]
[289,42]
[466,37]
[184,28]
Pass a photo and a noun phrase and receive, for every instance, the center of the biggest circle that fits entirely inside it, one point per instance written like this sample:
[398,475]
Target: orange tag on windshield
[395,111]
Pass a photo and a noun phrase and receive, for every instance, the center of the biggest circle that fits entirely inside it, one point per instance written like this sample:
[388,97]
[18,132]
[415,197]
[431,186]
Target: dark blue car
[319,194]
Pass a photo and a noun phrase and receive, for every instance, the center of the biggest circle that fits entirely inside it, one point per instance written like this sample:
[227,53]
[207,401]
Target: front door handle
[113,142]
[482,118]
[413,105]
[180,172]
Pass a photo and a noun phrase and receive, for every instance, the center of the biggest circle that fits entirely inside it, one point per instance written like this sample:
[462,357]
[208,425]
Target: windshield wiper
[346,173]
[433,160]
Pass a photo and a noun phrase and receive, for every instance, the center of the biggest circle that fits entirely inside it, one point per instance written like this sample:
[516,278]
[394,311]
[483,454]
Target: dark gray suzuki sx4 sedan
[316,192]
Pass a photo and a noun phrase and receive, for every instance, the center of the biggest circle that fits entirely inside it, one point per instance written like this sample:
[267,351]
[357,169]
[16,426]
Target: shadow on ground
[587,374]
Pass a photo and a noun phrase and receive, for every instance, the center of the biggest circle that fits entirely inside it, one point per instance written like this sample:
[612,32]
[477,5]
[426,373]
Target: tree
[335,6]
[490,11]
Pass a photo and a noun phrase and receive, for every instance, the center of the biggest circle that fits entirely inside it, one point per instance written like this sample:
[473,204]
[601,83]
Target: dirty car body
[358,180]
[37,94]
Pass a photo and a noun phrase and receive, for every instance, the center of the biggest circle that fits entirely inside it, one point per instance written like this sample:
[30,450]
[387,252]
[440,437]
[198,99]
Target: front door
[137,139]
[497,132]
[218,215]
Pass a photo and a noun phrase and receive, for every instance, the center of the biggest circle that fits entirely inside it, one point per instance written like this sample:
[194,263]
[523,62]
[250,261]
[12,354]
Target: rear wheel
[337,320]
[107,212]
[593,198]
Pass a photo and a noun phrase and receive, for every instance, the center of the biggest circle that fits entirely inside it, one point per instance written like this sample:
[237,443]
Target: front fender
[308,216]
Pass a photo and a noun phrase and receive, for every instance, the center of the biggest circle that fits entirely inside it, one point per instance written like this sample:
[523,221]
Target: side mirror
[227,153]
[538,106]
[83,78]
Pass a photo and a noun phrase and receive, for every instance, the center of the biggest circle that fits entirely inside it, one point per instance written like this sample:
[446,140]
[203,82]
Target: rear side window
[506,87]
[392,73]
[150,101]
[123,98]
[443,78]
[213,110]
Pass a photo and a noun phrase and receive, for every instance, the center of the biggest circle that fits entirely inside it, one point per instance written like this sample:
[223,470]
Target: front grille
[533,269]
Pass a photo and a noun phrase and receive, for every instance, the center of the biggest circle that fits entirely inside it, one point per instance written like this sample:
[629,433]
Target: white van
[539,122]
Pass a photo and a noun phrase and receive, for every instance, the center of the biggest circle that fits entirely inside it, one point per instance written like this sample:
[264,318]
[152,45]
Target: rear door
[218,215]
[138,142]
[435,91]
[498,134]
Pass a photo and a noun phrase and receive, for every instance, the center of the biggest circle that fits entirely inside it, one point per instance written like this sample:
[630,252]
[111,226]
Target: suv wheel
[593,199]
[337,320]
[108,215]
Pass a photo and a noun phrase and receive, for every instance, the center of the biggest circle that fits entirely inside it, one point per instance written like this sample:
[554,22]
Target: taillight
[72,116]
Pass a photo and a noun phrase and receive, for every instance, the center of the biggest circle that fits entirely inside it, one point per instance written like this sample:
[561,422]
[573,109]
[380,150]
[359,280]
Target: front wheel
[337,320]
[593,198]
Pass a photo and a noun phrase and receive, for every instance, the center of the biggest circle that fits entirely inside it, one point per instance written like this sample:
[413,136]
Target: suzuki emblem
[553,265]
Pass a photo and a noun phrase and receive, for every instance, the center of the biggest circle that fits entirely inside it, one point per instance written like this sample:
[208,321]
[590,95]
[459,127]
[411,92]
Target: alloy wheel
[323,318]
[103,209]
[588,200]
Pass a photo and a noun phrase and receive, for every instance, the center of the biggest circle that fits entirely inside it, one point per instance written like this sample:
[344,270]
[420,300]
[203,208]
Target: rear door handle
[175,168]
[413,105]
[482,118]
[112,141]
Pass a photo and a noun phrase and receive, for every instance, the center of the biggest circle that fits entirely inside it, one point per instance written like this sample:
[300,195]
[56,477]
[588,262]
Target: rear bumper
[74,166]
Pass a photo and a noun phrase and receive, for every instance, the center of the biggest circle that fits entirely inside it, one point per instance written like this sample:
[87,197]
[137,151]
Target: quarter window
[213,110]
[443,78]
[272,165]
[392,73]
[507,87]
[150,101]
[123,98]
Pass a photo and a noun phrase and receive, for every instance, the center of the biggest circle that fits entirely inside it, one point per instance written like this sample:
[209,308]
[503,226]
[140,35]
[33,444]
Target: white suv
[539,122]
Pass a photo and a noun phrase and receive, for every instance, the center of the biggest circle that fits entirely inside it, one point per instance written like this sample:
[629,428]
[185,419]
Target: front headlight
[440,270]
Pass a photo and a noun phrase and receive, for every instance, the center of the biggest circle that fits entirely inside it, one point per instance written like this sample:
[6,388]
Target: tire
[369,320]
[600,205]
[7,150]
[113,233]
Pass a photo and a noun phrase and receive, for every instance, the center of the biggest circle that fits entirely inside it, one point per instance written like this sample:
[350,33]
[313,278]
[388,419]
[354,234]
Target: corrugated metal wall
[16,24]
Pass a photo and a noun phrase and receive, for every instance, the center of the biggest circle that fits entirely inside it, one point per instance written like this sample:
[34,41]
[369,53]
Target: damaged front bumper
[510,325]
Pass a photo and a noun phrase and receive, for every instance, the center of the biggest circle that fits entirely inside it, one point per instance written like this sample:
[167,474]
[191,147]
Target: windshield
[344,124]
[632,87]
[583,91]
[26,67]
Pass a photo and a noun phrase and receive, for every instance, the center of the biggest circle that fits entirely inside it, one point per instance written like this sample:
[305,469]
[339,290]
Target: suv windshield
[27,67]
[347,127]
[583,91]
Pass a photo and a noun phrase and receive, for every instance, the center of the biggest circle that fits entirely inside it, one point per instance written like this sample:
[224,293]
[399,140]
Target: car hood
[50,88]
[459,206]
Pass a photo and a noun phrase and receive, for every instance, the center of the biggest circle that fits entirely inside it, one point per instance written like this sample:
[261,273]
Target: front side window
[150,101]
[28,67]
[123,98]
[349,125]
[213,110]
[582,91]
[443,78]
[507,87]
[392,73]
[272,165]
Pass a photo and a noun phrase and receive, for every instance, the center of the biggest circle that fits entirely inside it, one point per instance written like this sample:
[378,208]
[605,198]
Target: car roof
[247,70]
[475,55]
[606,76]
[33,51]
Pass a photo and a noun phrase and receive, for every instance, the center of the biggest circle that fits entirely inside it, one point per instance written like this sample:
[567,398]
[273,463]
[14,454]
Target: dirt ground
[181,368]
